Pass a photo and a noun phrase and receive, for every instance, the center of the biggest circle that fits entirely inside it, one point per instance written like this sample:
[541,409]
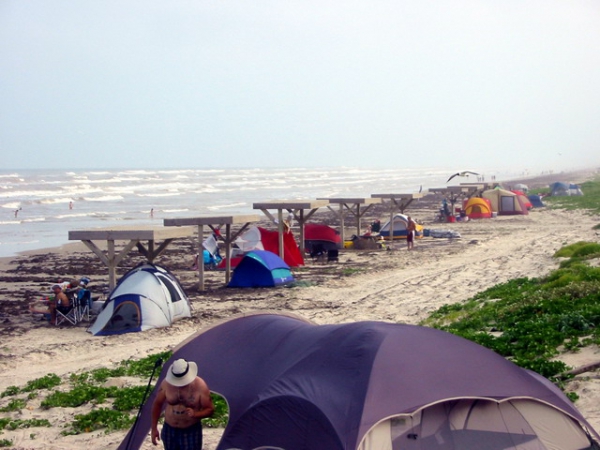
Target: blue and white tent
[148,296]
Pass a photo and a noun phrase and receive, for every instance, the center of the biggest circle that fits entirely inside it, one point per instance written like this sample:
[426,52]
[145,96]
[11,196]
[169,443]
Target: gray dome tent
[294,385]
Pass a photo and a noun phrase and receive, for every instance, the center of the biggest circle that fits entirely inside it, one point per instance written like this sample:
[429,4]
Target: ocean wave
[105,198]
[174,210]
[230,205]
[161,194]
[11,205]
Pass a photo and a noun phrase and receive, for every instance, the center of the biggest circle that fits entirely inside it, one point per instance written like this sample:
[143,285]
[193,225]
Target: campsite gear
[505,202]
[372,385]
[316,234]
[148,296]
[477,208]
[261,268]
[400,223]
[257,238]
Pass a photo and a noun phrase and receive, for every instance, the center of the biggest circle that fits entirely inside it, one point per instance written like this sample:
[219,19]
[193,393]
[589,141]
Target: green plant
[11,390]
[6,443]
[100,418]
[221,414]
[16,404]
[13,424]
[529,320]
[46,382]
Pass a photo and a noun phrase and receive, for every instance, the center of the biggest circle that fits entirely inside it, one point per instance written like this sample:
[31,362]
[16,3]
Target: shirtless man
[187,399]
[411,229]
[60,302]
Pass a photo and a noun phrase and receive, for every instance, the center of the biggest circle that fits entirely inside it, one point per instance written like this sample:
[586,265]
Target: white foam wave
[230,205]
[11,205]
[105,198]
[160,194]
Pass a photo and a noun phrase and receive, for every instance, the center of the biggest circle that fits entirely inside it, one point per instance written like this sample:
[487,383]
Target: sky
[307,83]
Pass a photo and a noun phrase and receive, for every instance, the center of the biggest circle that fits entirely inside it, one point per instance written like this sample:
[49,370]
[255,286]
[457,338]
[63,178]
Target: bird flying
[465,173]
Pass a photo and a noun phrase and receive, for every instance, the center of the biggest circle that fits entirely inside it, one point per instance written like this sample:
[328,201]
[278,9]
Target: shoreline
[397,286]
[536,181]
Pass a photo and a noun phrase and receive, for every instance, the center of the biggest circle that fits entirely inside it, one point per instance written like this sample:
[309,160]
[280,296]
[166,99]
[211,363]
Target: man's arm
[157,407]
[206,404]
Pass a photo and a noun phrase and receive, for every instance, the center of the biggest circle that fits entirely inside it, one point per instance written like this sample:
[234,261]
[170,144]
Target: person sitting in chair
[60,302]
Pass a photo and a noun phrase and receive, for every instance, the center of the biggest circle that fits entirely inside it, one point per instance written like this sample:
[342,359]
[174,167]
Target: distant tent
[257,238]
[564,189]
[400,222]
[321,235]
[536,201]
[261,268]
[505,202]
[148,296]
[477,208]
[294,385]
[521,187]
[523,198]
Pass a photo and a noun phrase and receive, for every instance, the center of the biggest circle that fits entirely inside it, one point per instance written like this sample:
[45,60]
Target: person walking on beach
[411,229]
[187,400]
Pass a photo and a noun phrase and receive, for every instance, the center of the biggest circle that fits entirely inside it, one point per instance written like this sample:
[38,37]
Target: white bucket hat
[181,373]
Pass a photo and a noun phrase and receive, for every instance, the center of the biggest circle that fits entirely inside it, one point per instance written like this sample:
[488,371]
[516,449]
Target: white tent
[148,296]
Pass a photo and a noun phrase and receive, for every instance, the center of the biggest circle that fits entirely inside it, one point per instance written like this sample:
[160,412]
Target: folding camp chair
[67,314]
[83,304]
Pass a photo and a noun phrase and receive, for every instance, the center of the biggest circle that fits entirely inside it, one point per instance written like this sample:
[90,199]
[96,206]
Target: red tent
[257,238]
[524,198]
[324,235]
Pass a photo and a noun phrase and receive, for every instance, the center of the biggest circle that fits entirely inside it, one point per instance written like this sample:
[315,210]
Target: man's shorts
[189,438]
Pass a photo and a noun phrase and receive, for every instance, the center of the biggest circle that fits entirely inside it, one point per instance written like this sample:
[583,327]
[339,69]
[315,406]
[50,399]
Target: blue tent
[261,268]
[536,201]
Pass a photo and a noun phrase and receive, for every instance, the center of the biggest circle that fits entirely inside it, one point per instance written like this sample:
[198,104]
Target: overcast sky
[182,84]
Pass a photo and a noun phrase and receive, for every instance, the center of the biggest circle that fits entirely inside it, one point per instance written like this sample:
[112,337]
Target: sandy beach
[388,285]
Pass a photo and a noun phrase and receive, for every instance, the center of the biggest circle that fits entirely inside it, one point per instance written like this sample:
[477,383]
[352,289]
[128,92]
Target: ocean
[40,207]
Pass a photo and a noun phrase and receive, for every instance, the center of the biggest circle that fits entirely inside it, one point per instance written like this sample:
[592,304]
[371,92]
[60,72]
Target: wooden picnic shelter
[397,203]
[351,206]
[133,237]
[454,193]
[228,237]
[301,209]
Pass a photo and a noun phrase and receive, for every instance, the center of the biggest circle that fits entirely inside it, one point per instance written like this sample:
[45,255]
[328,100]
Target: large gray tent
[294,385]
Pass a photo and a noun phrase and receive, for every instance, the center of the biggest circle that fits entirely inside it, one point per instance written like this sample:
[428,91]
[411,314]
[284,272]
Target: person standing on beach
[411,229]
[187,400]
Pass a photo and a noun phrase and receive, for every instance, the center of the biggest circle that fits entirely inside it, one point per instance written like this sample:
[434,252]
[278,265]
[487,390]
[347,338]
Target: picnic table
[133,237]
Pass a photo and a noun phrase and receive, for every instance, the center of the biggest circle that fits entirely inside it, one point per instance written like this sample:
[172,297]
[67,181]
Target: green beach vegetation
[112,407]
[531,321]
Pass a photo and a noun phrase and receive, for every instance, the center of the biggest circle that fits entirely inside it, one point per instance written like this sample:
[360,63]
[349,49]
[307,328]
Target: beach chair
[67,315]
[83,304]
